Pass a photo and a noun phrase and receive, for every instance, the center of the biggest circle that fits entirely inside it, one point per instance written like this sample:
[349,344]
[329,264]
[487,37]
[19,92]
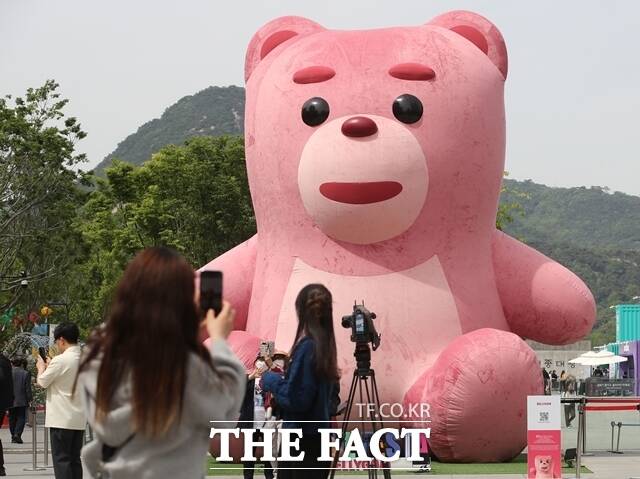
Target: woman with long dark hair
[149,386]
[307,391]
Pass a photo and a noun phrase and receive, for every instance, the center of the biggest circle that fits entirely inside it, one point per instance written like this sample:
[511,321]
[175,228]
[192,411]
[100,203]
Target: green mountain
[212,111]
[592,231]
[586,217]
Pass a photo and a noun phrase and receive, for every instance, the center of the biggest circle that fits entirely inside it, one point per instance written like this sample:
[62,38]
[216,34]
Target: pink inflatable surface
[375,160]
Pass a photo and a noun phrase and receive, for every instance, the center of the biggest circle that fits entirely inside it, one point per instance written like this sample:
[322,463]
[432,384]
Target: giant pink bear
[375,161]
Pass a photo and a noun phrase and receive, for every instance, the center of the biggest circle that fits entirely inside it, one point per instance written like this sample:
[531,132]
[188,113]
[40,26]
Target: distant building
[557,357]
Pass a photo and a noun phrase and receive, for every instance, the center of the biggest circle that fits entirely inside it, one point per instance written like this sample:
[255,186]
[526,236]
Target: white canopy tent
[593,358]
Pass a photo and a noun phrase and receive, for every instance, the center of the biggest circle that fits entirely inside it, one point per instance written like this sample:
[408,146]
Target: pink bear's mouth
[360,193]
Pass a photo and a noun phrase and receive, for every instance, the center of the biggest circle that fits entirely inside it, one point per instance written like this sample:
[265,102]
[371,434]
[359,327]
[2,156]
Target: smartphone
[211,291]
[267,348]
[42,351]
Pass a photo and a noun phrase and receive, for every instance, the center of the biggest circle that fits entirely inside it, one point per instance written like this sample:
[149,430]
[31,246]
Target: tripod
[363,378]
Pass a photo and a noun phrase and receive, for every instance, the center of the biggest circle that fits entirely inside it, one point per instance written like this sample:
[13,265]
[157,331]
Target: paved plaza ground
[603,464]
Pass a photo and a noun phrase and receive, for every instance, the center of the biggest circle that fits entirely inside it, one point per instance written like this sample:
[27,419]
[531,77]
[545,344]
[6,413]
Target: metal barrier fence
[615,404]
[33,412]
[34,443]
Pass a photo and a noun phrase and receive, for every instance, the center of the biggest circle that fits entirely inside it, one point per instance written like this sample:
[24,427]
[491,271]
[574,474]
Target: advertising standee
[543,437]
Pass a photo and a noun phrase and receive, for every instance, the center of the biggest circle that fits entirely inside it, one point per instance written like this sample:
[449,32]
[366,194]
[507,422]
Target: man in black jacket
[6,398]
[22,396]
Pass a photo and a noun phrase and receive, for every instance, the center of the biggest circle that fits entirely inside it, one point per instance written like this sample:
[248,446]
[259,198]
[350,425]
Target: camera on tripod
[363,330]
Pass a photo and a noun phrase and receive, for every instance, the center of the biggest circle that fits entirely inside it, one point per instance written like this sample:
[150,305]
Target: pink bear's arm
[238,266]
[542,300]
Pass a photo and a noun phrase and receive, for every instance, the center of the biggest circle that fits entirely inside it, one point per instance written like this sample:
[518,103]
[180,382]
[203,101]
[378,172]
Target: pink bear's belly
[416,315]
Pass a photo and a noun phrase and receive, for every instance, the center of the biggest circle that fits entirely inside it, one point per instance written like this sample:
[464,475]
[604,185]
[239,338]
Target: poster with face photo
[543,437]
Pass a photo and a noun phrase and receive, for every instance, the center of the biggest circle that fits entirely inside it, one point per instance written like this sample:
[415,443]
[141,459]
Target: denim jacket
[300,394]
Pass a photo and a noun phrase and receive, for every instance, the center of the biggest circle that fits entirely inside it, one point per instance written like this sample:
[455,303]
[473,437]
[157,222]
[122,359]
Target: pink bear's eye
[407,108]
[315,111]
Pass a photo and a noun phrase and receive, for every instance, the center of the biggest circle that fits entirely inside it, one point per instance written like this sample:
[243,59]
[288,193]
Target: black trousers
[249,466]
[569,413]
[65,451]
[310,444]
[17,417]
[2,413]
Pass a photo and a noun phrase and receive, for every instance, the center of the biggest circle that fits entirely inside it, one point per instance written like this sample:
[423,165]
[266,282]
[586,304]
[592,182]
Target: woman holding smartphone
[306,392]
[151,390]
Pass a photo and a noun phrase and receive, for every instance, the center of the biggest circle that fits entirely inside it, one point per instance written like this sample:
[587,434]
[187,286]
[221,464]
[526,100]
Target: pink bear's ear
[479,31]
[273,34]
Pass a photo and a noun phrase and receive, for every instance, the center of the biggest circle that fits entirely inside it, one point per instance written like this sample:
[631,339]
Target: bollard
[580,437]
[618,444]
[584,432]
[34,444]
[613,426]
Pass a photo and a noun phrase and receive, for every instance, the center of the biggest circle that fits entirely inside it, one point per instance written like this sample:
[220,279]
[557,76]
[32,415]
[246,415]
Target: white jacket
[209,396]
[64,409]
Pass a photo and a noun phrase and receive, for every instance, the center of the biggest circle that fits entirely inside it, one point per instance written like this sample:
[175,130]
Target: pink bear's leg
[244,345]
[477,394]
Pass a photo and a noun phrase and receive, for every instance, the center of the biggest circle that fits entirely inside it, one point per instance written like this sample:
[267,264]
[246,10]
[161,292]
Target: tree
[194,198]
[38,192]
[509,204]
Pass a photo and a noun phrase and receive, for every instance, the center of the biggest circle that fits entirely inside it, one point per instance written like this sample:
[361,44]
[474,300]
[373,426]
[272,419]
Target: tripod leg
[345,424]
[376,398]
[386,471]
[371,415]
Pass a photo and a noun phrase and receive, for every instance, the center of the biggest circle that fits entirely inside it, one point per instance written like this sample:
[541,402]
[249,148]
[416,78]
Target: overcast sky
[573,91]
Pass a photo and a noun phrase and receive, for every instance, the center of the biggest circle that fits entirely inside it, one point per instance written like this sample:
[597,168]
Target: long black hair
[314,307]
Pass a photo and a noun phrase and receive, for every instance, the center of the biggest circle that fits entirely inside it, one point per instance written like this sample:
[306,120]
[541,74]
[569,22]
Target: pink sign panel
[543,437]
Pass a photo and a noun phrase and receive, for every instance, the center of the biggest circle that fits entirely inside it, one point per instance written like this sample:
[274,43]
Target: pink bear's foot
[477,394]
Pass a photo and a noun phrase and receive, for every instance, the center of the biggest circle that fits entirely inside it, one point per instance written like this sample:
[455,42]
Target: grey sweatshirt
[209,396]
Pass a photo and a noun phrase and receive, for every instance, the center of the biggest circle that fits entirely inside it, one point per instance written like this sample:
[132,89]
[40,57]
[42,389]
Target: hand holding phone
[42,351]
[221,325]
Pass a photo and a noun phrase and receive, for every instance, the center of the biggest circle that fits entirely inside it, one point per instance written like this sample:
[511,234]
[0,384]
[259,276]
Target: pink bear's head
[393,136]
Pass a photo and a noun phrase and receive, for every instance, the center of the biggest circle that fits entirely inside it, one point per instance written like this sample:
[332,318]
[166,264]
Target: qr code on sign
[544,416]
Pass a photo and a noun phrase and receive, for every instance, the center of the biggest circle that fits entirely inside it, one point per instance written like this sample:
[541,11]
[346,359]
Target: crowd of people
[150,390]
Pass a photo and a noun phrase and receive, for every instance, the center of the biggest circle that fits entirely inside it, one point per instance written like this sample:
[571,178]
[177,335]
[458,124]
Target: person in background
[277,364]
[22,397]
[547,381]
[253,414]
[64,417]
[6,399]
[152,391]
[305,393]
[569,392]
[563,376]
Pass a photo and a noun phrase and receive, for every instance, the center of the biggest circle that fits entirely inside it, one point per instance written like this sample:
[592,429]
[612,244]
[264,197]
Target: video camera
[363,330]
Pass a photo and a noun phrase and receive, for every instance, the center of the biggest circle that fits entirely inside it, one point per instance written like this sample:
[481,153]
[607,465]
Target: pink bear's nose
[359,126]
